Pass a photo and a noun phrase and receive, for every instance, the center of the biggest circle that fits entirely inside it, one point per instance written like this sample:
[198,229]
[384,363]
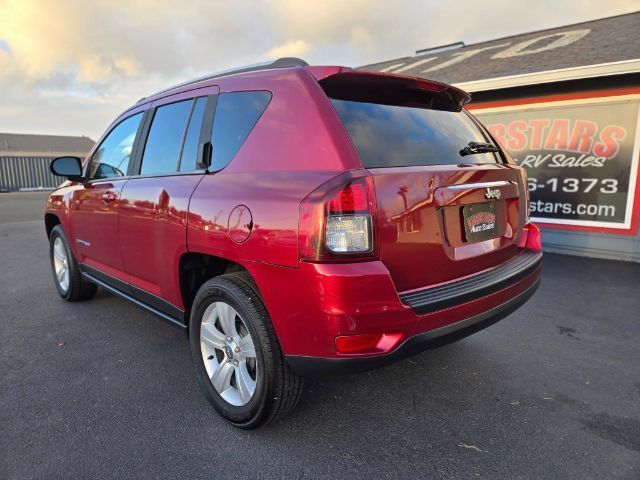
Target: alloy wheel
[228,353]
[61,264]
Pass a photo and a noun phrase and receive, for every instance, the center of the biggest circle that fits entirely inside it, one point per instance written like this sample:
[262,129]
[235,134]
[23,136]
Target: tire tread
[291,384]
[286,387]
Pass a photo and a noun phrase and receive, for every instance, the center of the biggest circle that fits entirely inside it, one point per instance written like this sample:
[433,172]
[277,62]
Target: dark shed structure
[24,159]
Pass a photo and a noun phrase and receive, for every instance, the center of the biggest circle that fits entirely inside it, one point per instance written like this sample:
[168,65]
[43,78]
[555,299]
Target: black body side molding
[142,299]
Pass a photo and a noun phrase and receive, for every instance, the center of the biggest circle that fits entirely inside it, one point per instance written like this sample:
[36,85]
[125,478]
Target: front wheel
[237,355]
[66,272]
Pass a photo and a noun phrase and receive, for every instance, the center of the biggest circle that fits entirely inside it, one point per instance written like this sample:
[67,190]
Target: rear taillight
[525,182]
[531,238]
[352,198]
[348,233]
[337,220]
[534,238]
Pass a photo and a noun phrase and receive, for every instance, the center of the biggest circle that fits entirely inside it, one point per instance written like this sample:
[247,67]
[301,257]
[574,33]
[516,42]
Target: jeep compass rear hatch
[449,204]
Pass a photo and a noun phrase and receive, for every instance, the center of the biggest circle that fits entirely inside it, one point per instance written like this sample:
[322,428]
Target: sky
[69,67]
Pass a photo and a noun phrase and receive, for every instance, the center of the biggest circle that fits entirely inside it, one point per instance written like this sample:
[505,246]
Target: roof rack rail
[284,62]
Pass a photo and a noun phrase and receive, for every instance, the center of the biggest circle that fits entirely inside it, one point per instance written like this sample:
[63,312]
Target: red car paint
[138,229]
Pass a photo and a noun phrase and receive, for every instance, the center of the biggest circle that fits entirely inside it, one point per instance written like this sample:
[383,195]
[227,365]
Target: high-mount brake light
[430,86]
[336,221]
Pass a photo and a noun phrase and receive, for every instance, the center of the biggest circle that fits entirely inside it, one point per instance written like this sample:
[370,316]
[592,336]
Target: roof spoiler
[392,89]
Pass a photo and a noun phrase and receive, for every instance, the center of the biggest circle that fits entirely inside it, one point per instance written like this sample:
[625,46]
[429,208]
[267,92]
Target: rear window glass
[236,115]
[395,136]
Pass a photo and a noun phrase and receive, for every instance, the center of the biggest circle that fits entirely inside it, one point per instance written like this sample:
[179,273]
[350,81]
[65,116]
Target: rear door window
[236,115]
[162,149]
[400,136]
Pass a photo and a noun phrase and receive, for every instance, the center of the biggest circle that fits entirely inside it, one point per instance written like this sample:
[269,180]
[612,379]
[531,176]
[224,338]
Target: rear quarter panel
[295,146]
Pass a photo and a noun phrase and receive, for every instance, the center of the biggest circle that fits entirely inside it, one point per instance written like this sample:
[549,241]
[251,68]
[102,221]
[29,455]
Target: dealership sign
[581,157]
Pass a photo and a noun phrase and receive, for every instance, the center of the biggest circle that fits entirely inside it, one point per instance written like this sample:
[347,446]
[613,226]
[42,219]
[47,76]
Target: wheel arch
[50,221]
[195,268]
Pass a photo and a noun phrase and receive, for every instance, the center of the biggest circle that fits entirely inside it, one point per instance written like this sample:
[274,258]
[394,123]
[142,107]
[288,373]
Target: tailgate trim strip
[480,185]
[437,298]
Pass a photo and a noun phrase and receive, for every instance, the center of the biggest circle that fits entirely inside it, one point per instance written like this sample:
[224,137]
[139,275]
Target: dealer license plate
[480,221]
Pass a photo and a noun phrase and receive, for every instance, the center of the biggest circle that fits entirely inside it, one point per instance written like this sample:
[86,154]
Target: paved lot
[103,390]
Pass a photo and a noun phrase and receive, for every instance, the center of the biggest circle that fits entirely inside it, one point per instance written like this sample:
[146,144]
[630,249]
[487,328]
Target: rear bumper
[313,304]
[436,298]
[316,366]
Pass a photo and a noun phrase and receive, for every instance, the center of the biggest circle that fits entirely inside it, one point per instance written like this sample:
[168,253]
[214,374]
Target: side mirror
[69,167]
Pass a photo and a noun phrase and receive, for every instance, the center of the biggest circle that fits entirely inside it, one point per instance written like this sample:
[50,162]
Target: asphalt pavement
[101,389]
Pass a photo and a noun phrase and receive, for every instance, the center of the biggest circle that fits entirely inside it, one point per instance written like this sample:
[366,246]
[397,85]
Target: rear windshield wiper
[478,147]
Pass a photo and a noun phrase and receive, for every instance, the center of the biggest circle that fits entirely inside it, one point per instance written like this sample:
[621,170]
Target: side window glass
[111,159]
[190,149]
[236,115]
[162,150]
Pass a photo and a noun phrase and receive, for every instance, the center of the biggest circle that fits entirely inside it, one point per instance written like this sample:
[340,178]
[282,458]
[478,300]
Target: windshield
[398,136]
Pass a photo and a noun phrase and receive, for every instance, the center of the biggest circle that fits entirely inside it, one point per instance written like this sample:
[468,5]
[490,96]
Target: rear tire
[237,356]
[66,272]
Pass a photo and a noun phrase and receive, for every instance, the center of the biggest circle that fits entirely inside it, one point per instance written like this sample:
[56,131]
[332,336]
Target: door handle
[109,196]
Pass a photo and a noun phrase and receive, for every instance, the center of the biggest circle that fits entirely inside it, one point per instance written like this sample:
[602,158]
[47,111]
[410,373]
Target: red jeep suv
[297,220]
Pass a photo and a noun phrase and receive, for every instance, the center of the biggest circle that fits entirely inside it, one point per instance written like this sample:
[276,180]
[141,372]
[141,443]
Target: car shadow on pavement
[399,397]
